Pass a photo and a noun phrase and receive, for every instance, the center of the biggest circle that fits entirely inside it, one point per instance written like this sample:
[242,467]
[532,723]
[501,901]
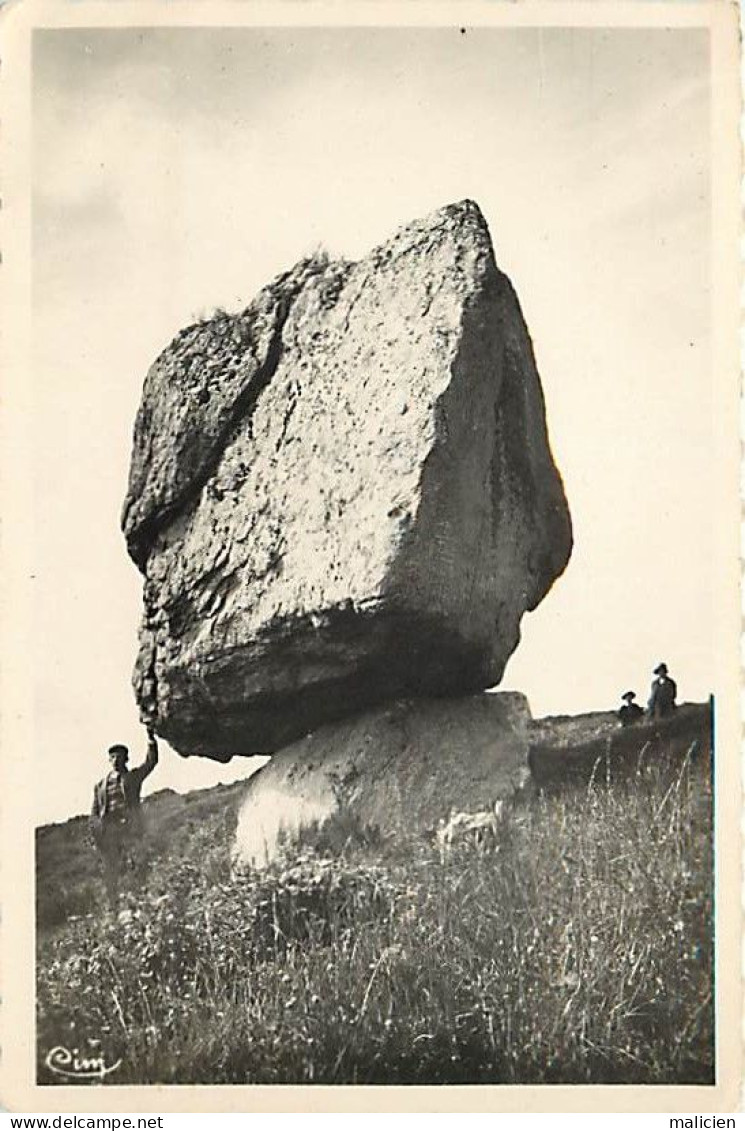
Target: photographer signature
[73,1066]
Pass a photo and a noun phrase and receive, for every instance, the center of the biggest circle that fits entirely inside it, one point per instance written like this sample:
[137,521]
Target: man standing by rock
[116,819]
[662,697]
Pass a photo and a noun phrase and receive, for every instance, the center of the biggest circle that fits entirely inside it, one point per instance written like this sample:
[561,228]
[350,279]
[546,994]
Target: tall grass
[573,943]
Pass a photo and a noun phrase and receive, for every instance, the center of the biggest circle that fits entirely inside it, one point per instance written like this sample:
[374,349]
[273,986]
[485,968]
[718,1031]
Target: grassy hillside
[571,942]
[68,876]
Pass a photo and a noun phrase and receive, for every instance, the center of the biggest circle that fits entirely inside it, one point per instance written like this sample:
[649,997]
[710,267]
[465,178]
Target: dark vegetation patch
[572,943]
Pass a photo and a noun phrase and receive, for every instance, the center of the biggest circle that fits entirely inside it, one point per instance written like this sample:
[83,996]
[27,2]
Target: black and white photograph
[371,633]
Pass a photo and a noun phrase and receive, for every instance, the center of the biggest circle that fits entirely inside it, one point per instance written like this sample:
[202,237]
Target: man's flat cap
[661,669]
[118,748]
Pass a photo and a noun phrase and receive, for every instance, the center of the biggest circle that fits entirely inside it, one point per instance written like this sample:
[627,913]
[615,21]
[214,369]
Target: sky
[178,170]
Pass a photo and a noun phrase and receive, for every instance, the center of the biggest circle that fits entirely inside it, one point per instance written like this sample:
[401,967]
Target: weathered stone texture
[342,495]
[404,767]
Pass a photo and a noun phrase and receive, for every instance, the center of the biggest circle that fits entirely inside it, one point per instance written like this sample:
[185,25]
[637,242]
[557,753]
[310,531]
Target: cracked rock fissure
[143,537]
[342,495]
[141,532]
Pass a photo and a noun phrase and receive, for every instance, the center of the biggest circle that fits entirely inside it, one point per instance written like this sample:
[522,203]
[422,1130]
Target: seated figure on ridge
[631,712]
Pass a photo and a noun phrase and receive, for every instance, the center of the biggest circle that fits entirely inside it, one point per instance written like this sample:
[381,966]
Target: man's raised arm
[151,758]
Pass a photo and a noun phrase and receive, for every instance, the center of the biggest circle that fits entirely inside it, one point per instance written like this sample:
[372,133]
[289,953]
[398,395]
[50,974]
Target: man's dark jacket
[662,699]
[131,787]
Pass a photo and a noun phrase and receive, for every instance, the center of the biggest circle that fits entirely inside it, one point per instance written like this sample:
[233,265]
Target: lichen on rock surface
[341,495]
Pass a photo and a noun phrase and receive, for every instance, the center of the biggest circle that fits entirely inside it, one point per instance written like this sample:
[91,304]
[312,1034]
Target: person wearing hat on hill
[115,820]
[662,697]
[631,712]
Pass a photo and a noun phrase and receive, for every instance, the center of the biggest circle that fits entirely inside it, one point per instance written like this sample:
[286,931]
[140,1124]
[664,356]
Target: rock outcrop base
[406,766]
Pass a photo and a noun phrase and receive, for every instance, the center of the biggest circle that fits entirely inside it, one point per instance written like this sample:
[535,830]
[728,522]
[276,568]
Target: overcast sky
[178,170]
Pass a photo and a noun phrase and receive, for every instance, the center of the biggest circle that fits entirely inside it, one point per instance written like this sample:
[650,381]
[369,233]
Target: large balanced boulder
[407,766]
[342,495]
